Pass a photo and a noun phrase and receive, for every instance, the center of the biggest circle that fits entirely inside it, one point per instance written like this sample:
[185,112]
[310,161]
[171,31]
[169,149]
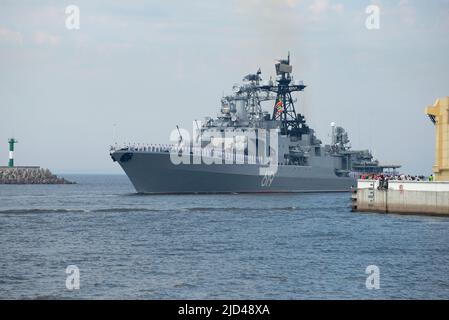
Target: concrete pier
[29,175]
[402,197]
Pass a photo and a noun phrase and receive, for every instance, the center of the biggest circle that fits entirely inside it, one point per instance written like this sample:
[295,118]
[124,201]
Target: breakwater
[29,175]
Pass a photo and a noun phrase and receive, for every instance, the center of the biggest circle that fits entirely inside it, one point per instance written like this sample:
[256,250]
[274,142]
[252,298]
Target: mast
[292,123]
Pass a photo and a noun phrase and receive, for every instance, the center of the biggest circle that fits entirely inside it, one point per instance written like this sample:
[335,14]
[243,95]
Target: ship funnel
[333,132]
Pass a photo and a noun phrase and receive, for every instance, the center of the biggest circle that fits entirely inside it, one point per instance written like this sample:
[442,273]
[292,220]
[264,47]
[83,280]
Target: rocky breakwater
[29,175]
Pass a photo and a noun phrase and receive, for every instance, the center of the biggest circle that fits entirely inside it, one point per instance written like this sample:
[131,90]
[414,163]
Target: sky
[143,67]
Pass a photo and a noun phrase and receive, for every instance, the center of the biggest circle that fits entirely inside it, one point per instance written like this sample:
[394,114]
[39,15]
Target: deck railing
[214,153]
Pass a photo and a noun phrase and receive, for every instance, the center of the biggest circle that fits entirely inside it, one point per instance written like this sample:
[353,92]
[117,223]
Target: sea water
[270,246]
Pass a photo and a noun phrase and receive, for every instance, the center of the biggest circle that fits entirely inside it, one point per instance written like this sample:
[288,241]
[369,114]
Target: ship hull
[154,173]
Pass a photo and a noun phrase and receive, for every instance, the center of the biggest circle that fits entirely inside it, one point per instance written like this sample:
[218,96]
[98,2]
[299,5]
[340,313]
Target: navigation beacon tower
[11,142]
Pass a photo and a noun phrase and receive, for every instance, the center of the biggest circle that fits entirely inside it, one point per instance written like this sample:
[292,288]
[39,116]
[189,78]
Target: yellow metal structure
[439,114]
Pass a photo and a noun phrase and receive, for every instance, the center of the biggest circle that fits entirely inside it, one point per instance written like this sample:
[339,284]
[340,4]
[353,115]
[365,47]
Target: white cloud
[292,3]
[338,8]
[9,36]
[319,7]
[43,38]
[407,12]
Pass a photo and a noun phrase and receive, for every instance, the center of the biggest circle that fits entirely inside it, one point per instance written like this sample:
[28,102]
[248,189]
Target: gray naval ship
[248,150]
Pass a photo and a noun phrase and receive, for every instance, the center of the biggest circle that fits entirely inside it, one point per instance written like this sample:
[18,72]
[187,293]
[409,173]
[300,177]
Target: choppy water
[211,246]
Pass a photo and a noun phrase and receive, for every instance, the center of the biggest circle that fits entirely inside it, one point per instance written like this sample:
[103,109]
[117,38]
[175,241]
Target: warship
[247,149]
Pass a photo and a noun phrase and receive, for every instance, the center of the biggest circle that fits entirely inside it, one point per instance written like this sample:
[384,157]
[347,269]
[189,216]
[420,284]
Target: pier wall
[403,197]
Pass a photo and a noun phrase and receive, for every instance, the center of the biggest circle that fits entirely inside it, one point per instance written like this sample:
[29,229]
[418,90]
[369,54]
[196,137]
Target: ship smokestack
[333,133]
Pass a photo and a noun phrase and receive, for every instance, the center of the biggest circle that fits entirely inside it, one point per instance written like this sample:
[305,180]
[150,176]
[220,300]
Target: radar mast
[292,123]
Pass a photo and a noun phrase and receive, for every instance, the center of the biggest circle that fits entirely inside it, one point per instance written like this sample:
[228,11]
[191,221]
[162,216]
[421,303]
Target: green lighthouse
[11,142]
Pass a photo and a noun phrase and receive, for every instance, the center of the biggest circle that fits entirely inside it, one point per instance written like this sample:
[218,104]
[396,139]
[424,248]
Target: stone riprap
[29,175]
